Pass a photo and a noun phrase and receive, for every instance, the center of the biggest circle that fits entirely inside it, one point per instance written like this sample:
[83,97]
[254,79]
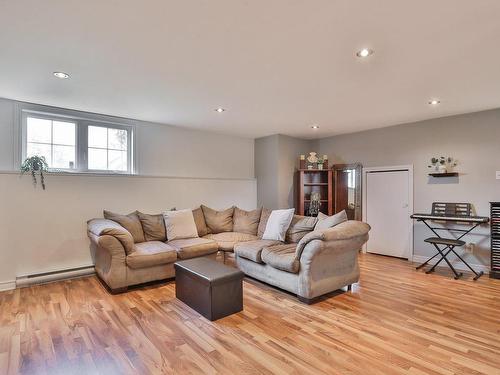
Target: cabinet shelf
[314,181]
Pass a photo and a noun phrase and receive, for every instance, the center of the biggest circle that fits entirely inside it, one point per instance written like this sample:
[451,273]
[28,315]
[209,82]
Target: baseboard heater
[47,277]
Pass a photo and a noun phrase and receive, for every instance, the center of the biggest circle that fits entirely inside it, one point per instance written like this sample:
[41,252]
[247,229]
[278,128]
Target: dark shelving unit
[495,240]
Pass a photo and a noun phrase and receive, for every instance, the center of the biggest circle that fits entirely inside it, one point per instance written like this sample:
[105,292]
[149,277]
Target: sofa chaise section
[321,262]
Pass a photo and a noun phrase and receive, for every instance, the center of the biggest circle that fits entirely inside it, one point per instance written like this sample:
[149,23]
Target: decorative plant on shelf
[320,163]
[443,164]
[35,164]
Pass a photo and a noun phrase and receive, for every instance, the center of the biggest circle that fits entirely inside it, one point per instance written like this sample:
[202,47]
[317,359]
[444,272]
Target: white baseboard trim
[7,285]
[455,262]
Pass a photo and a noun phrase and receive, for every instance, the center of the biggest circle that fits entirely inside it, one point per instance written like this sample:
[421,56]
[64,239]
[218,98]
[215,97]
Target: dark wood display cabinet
[315,181]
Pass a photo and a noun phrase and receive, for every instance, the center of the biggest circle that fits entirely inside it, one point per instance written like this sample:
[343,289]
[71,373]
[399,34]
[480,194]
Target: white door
[387,212]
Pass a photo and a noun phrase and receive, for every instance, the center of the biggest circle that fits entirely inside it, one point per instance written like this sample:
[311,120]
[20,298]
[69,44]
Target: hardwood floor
[395,321]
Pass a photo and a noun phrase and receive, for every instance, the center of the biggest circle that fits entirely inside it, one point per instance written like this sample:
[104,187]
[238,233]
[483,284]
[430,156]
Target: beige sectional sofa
[308,263]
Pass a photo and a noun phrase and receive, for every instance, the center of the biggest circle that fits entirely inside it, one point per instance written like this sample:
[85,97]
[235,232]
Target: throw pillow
[325,221]
[300,226]
[180,224]
[246,221]
[218,221]
[153,227]
[199,220]
[277,225]
[264,217]
[130,222]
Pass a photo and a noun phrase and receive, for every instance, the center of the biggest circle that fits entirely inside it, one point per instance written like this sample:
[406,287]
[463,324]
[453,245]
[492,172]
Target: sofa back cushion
[130,222]
[199,220]
[264,216]
[153,227]
[180,224]
[300,226]
[325,221]
[218,221]
[246,221]
[277,224]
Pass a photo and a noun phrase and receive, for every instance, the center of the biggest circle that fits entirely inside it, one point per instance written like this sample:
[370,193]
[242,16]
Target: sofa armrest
[329,258]
[102,227]
[348,230]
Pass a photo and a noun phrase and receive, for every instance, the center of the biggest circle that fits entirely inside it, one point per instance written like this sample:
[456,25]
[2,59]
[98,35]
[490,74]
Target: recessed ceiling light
[61,75]
[365,52]
[314,126]
[220,110]
[434,102]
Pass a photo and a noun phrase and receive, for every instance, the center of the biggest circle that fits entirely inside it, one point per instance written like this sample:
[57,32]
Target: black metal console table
[450,212]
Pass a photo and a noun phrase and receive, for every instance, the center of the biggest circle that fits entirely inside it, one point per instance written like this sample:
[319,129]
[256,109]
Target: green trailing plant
[35,165]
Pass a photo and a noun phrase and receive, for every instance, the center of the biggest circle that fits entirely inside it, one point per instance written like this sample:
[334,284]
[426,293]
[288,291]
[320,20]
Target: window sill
[98,174]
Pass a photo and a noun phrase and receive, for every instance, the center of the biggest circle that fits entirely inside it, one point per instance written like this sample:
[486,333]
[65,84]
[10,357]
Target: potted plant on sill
[35,165]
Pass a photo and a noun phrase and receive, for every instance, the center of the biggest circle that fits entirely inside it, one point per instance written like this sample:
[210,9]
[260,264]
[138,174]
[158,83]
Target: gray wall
[473,139]
[276,162]
[162,150]
[45,231]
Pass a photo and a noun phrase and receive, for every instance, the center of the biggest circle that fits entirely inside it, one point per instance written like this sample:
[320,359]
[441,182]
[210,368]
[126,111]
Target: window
[77,144]
[107,148]
[56,140]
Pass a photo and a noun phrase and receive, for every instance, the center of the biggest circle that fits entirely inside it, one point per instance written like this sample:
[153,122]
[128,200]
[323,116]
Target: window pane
[37,149]
[39,130]
[63,133]
[117,160]
[64,157]
[98,159]
[117,139]
[98,136]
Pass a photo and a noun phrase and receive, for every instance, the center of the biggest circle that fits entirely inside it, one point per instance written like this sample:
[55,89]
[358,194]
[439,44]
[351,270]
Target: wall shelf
[450,174]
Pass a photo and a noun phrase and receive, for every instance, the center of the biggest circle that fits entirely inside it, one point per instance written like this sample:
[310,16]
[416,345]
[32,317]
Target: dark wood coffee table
[209,287]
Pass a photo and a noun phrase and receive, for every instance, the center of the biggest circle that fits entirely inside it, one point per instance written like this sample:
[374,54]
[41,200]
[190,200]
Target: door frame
[395,168]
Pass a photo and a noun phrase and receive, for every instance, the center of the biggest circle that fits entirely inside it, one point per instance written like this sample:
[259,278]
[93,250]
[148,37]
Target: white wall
[45,230]
[474,139]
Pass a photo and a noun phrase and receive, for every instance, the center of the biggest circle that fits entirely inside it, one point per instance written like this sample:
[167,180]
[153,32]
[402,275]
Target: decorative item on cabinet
[302,162]
[315,204]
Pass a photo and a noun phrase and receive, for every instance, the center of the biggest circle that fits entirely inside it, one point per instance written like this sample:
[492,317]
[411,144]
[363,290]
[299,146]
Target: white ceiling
[278,66]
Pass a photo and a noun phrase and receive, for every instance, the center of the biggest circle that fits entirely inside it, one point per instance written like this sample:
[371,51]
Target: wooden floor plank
[395,321]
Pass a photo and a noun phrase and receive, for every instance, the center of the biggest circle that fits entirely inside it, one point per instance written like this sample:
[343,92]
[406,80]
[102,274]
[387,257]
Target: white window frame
[82,121]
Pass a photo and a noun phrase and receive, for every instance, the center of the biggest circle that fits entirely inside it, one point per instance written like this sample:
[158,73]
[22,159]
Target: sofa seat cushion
[151,253]
[281,257]
[194,247]
[252,250]
[227,240]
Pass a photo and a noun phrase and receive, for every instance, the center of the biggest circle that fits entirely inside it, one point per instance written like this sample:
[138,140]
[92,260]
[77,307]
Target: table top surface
[208,269]
[465,219]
